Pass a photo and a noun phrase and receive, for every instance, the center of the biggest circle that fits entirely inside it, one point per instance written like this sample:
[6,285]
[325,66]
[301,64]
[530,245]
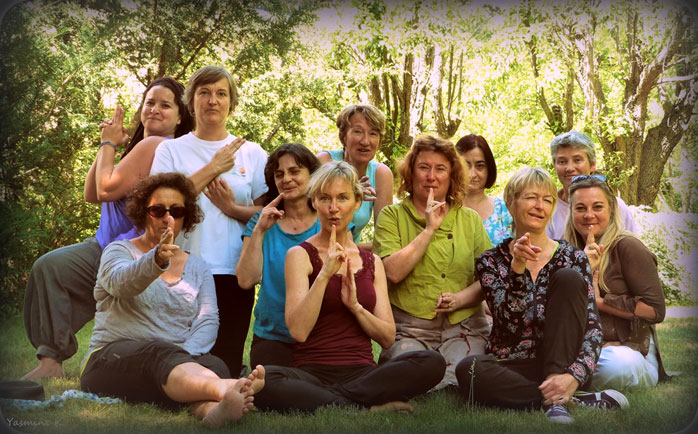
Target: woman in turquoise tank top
[361,131]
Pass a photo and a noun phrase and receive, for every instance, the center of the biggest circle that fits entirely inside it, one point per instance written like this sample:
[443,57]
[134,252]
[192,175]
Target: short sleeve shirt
[448,265]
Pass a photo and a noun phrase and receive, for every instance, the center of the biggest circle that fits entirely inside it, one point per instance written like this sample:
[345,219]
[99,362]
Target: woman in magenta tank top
[336,303]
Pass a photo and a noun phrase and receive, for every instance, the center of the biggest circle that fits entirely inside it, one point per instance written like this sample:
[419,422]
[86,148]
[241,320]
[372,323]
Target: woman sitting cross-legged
[287,219]
[157,316]
[429,243]
[336,302]
[546,335]
[628,291]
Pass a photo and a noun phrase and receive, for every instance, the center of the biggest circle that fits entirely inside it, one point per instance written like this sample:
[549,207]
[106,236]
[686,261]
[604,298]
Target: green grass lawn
[667,408]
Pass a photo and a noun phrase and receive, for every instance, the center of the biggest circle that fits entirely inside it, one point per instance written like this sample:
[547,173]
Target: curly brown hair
[138,198]
[459,176]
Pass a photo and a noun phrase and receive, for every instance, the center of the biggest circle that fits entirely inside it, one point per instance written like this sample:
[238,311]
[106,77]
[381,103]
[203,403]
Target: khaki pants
[453,341]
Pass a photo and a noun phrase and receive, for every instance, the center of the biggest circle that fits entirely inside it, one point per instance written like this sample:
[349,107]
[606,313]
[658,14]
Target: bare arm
[384,189]
[222,161]
[469,296]
[303,301]
[250,264]
[113,182]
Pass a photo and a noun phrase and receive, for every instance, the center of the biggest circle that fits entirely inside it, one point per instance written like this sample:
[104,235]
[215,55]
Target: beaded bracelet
[107,143]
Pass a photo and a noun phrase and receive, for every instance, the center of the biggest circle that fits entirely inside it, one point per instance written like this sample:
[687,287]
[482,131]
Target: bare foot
[48,367]
[257,379]
[236,402]
[398,406]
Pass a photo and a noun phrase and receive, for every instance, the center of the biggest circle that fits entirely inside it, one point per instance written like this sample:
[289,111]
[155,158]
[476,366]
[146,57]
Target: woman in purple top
[59,299]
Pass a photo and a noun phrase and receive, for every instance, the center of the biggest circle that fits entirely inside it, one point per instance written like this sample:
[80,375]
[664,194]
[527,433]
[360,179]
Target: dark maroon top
[337,338]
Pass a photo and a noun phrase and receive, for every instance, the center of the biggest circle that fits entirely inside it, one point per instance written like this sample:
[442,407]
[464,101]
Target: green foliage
[60,62]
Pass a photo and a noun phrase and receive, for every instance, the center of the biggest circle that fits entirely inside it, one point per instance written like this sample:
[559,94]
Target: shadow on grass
[668,408]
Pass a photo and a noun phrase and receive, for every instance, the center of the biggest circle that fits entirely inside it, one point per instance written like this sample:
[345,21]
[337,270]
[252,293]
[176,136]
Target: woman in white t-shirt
[230,173]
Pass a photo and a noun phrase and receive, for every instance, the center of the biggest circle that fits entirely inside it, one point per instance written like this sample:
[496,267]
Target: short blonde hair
[330,172]
[524,178]
[374,117]
[207,75]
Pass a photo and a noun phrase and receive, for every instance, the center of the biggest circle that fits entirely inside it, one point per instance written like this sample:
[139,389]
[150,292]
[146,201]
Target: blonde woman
[626,283]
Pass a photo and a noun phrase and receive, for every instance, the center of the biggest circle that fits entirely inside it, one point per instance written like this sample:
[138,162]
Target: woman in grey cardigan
[157,316]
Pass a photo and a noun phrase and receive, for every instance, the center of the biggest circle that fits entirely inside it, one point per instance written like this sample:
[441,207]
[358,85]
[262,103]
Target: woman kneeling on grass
[546,335]
[336,302]
[626,282]
[156,314]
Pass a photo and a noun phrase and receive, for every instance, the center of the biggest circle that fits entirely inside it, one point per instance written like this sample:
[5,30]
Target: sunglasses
[157,211]
[577,178]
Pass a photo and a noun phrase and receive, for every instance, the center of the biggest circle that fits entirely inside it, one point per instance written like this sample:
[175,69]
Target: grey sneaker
[608,399]
[557,414]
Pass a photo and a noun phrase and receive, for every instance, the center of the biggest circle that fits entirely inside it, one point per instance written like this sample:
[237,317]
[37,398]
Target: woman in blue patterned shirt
[483,173]
[546,336]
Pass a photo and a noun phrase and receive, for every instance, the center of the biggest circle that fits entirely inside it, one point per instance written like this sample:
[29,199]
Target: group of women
[178,253]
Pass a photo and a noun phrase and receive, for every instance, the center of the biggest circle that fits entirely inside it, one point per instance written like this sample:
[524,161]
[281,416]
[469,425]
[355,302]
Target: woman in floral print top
[546,336]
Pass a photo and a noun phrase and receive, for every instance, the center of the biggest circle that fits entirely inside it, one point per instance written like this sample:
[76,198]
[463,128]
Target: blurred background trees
[518,73]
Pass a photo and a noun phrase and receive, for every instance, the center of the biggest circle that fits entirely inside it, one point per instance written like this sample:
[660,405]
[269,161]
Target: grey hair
[573,139]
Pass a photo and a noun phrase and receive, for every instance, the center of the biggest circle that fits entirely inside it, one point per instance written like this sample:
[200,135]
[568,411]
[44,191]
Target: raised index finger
[276,200]
[235,144]
[333,237]
[119,115]
[590,237]
[430,198]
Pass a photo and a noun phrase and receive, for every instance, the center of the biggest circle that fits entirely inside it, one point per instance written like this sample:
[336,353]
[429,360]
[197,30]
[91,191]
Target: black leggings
[312,386]
[234,312]
[514,383]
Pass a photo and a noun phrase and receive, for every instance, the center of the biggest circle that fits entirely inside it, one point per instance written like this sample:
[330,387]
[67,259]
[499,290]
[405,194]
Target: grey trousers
[59,298]
[453,341]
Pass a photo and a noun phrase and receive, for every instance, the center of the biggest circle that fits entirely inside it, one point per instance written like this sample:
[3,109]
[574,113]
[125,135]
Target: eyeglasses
[598,176]
[157,211]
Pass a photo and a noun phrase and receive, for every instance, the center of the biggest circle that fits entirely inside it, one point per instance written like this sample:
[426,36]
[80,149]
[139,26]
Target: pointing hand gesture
[165,250]
[593,250]
[523,251]
[270,214]
[335,255]
[224,158]
[113,130]
[435,211]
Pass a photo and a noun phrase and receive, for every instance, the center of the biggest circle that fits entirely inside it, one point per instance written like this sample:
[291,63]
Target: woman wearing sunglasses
[626,284]
[58,300]
[230,173]
[157,316]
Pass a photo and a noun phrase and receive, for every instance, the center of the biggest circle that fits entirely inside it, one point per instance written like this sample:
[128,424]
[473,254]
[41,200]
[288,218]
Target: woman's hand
[220,194]
[113,130]
[165,248]
[348,291]
[335,256]
[224,158]
[523,251]
[558,388]
[448,302]
[435,211]
[270,215]
[369,191]
[593,251]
